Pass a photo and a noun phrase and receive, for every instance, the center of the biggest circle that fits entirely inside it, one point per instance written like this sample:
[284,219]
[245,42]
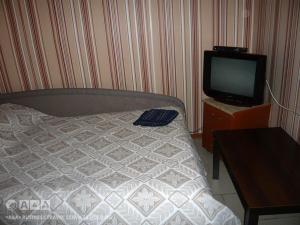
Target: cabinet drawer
[231,117]
[214,119]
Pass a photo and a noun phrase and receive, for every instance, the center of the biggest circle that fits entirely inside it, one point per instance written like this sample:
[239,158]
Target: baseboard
[196,135]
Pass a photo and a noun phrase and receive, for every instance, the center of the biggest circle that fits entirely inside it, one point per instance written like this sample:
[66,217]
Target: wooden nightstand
[220,116]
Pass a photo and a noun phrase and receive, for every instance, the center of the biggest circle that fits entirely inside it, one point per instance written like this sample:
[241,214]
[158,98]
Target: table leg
[250,218]
[216,161]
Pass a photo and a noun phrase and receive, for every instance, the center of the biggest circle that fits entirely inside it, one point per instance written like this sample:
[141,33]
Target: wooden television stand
[220,116]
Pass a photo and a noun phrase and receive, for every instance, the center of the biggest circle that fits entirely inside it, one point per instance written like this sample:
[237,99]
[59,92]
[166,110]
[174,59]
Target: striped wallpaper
[146,45]
[276,33]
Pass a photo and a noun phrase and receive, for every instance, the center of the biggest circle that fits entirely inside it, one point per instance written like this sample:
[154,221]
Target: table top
[230,109]
[264,165]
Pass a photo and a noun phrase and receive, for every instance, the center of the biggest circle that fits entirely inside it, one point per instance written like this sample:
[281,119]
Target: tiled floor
[223,190]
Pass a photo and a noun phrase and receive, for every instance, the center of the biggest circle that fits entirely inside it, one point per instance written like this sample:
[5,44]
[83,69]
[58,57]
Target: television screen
[236,76]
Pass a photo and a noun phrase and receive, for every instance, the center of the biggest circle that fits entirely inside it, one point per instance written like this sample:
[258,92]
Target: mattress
[101,169]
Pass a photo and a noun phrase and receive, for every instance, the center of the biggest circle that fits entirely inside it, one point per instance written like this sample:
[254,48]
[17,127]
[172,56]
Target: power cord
[280,105]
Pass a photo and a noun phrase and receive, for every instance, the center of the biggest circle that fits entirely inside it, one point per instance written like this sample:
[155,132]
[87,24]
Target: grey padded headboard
[86,101]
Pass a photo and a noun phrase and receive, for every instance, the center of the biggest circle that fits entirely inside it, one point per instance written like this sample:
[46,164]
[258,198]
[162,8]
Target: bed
[72,156]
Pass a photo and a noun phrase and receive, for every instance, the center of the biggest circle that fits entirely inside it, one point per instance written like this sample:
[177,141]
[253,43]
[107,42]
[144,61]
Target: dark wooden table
[264,165]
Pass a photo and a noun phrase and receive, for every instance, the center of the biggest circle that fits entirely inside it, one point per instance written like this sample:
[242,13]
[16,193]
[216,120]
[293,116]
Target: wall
[278,36]
[145,45]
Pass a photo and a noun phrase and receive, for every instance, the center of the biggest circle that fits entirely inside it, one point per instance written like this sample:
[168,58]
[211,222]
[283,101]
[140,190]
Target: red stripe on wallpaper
[171,48]
[175,89]
[110,44]
[5,82]
[274,46]
[38,46]
[216,22]
[195,59]
[223,5]
[168,47]
[247,23]
[113,36]
[119,48]
[16,42]
[57,44]
[58,23]
[88,40]
[164,48]
[288,58]
[161,42]
[143,53]
[261,27]
[27,47]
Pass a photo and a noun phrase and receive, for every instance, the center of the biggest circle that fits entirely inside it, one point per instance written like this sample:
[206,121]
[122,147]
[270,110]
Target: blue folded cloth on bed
[156,117]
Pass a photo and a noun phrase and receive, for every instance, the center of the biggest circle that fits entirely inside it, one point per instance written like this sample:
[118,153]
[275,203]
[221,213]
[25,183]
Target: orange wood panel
[257,117]
[215,118]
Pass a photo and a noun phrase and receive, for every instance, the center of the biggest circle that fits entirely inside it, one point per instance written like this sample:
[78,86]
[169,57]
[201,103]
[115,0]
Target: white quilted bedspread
[101,169]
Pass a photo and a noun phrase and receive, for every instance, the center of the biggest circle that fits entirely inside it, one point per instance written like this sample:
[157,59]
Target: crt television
[234,78]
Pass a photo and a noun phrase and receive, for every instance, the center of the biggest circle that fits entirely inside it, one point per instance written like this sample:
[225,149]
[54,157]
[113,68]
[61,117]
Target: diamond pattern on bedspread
[190,163]
[26,159]
[60,183]
[100,169]
[15,150]
[123,133]
[208,205]
[83,136]
[105,126]
[41,171]
[165,130]
[178,199]
[143,165]
[69,128]
[145,199]
[25,120]
[3,118]
[114,199]
[72,156]
[173,178]
[114,180]
[168,150]
[7,135]
[119,154]
[91,119]
[55,221]
[83,201]
[2,170]
[91,168]
[178,218]
[144,141]
[42,139]
[114,219]
[128,117]
[57,147]
[99,143]
[5,184]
